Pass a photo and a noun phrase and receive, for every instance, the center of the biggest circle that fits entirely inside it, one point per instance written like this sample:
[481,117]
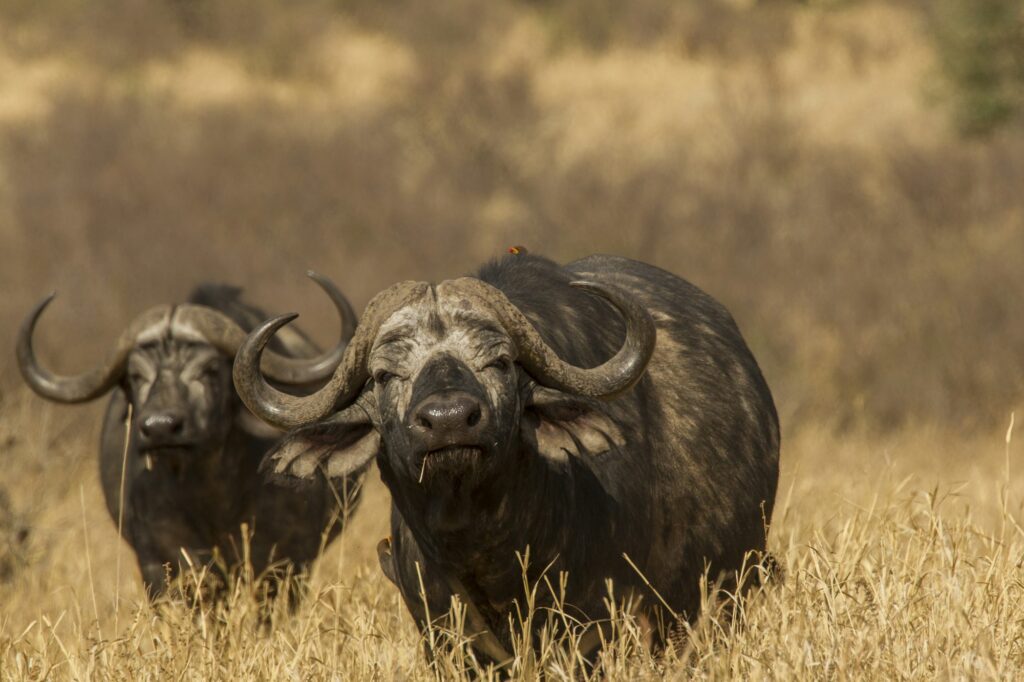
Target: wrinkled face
[181,396]
[446,386]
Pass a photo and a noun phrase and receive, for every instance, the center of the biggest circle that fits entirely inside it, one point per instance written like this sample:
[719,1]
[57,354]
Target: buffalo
[186,487]
[604,418]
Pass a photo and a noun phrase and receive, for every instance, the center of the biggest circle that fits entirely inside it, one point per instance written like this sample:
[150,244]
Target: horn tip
[321,279]
[324,282]
[282,320]
[269,327]
[41,305]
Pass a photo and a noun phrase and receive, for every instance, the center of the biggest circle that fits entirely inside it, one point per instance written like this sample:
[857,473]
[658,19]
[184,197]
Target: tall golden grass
[787,157]
[902,560]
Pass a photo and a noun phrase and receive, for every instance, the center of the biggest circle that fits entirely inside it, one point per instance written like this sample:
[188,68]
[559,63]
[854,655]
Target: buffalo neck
[208,478]
[480,533]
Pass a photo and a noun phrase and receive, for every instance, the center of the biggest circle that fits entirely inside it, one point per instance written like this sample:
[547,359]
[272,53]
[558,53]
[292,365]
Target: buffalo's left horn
[225,334]
[88,385]
[617,374]
[288,411]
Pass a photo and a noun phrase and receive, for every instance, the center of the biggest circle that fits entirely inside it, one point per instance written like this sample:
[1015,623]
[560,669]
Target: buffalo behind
[189,477]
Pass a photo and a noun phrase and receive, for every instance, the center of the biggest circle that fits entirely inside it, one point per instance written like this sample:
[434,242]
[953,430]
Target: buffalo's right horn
[88,385]
[616,375]
[288,411]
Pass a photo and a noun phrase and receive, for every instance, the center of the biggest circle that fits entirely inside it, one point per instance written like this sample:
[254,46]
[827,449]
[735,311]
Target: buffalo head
[174,365]
[446,382]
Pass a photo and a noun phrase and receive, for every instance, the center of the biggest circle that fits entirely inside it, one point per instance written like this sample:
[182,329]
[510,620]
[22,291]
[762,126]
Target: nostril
[449,417]
[162,425]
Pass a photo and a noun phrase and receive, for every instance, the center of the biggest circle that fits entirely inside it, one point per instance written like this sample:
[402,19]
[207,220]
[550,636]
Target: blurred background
[845,176]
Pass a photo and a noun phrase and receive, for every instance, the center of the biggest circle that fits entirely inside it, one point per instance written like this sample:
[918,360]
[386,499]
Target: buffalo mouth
[168,448]
[449,460]
[176,459]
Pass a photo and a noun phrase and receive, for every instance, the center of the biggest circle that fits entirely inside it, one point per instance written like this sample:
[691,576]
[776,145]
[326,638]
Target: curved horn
[607,380]
[221,331]
[91,384]
[288,411]
[324,365]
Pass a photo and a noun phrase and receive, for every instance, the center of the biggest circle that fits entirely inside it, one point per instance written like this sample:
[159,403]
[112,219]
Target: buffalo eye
[136,378]
[502,364]
[381,377]
[211,371]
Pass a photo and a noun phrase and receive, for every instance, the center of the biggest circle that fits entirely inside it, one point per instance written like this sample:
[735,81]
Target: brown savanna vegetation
[845,176]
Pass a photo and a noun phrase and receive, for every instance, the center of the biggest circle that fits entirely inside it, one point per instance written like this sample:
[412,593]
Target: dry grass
[890,574]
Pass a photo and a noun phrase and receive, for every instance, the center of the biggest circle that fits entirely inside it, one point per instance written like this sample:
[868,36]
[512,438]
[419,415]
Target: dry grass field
[903,560]
[794,159]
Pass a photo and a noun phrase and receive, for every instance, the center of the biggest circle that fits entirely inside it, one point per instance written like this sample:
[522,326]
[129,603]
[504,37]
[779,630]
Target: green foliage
[980,46]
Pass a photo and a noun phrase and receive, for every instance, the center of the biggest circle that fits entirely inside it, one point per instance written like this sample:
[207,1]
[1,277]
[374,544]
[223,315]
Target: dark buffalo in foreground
[190,473]
[605,415]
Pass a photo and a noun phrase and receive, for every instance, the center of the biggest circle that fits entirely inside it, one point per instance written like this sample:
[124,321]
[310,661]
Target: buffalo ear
[560,425]
[340,445]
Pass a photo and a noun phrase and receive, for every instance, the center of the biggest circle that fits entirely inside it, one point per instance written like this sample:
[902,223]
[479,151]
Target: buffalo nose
[449,418]
[163,426]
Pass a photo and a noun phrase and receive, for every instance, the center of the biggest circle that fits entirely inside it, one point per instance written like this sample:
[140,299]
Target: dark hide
[679,473]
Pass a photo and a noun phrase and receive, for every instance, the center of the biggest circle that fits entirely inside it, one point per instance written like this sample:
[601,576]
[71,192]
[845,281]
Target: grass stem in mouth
[457,456]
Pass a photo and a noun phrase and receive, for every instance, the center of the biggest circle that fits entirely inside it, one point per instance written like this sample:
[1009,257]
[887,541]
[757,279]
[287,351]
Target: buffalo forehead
[186,357]
[169,326]
[183,330]
[470,322]
[406,321]
[156,329]
[443,318]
